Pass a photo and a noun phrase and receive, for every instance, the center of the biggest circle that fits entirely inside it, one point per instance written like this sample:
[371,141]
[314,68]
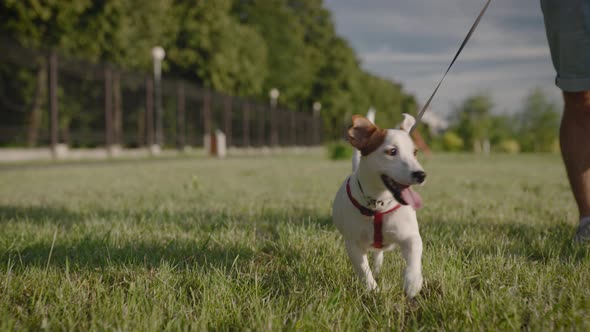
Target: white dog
[375,208]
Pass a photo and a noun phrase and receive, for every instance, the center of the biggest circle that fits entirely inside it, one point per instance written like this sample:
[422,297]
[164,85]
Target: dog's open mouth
[402,193]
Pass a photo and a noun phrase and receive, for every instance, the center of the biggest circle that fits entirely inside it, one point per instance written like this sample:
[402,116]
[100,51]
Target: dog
[375,208]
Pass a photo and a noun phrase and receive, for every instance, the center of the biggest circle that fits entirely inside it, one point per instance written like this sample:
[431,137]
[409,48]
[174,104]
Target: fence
[47,99]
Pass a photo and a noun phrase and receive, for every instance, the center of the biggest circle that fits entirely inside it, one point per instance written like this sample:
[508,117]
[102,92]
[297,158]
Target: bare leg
[359,261]
[377,263]
[412,252]
[574,138]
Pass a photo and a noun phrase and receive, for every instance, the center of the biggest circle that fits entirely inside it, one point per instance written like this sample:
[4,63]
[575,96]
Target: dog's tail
[356,157]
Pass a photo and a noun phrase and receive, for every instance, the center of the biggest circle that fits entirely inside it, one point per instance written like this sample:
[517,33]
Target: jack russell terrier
[375,208]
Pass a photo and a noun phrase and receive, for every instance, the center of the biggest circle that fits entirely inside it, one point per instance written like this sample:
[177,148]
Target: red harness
[377,217]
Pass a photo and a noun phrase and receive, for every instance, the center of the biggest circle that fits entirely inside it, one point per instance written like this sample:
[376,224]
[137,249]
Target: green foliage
[288,69]
[472,120]
[121,32]
[215,50]
[508,146]
[388,99]
[452,142]
[340,150]
[502,128]
[533,128]
[18,89]
[243,48]
[538,123]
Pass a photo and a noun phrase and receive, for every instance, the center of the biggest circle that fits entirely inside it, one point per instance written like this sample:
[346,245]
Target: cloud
[507,85]
[413,41]
[481,54]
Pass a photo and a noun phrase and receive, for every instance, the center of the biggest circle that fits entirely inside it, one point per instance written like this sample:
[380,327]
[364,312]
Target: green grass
[248,243]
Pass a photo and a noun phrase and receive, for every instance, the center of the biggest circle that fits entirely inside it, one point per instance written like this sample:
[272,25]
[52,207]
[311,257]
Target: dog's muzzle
[403,193]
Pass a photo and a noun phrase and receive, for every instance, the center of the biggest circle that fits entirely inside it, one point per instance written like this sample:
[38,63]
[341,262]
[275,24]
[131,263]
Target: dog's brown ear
[364,135]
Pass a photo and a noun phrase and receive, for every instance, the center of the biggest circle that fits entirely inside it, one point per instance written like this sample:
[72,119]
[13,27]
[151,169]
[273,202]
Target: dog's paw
[371,286]
[412,283]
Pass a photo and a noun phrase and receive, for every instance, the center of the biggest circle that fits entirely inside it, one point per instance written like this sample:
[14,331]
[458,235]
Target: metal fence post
[316,120]
[304,123]
[300,123]
[293,128]
[274,135]
[313,124]
[207,113]
[53,104]
[246,124]
[180,116]
[159,118]
[117,111]
[261,125]
[108,108]
[207,121]
[311,137]
[149,112]
[227,119]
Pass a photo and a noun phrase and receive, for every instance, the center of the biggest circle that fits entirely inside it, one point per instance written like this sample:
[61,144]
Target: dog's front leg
[358,258]
[377,263]
[412,252]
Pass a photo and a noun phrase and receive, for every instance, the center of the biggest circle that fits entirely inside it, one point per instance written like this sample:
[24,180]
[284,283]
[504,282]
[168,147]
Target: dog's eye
[391,152]
[415,152]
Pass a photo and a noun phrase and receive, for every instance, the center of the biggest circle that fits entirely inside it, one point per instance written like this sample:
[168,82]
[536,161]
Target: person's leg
[574,139]
[567,24]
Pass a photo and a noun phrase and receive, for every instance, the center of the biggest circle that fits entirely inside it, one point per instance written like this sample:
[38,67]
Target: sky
[413,42]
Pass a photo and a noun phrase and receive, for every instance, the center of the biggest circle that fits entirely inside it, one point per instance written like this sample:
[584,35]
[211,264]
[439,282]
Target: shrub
[452,142]
[509,146]
[340,150]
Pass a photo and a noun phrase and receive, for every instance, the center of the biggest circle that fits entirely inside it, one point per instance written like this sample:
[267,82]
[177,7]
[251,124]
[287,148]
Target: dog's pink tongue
[411,197]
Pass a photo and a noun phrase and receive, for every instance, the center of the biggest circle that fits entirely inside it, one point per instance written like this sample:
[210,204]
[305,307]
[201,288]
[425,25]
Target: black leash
[419,116]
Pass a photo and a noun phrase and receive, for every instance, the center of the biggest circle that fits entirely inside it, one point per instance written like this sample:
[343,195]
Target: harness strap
[377,217]
[363,210]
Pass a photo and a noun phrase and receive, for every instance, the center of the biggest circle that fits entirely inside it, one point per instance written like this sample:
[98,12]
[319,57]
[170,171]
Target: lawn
[248,243]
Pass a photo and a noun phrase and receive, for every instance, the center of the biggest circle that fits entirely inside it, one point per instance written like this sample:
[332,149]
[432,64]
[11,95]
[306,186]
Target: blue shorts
[567,23]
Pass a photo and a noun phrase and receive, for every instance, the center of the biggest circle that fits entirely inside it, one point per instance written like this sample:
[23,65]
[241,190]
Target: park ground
[248,243]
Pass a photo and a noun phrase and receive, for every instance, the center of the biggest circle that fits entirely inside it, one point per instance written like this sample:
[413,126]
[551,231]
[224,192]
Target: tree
[217,51]
[473,121]
[388,98]
[121,32]
[240,47]
[308,62]
[283,33]
[538,123]
[501,128]
[339,89]
[95,31]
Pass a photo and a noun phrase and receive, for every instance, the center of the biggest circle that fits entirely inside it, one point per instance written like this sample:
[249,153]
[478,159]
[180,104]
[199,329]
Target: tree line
[474,126]
[239,47]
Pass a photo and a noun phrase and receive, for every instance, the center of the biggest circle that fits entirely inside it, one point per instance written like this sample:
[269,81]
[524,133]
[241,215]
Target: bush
[340,150]
[509,146]
[452,142]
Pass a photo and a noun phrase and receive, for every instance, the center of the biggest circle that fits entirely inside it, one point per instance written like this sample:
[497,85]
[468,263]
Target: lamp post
[317,107]
[274,97]
[158,55]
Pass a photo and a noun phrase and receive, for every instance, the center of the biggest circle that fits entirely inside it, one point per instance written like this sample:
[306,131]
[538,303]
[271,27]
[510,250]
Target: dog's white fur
[399,227]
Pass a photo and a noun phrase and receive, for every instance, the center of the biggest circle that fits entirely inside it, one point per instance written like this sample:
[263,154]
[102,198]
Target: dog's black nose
[419,176]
